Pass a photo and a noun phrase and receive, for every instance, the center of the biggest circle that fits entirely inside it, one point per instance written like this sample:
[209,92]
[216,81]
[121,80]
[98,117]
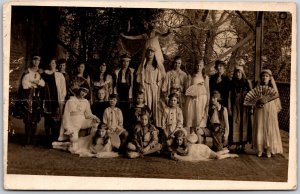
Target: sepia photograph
[149,96]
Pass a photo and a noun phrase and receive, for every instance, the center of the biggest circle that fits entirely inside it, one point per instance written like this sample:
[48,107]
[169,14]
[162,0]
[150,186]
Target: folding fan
[258,93]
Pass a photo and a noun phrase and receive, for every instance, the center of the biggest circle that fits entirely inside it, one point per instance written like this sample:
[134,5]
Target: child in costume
[145,139]
[183,151]
[172,119]
[266,133]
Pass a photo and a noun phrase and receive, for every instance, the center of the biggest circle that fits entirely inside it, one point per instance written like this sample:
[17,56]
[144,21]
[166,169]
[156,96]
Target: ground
[39,160]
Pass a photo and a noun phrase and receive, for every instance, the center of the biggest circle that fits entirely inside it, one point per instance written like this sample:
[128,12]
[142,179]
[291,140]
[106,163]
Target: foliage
[94,33]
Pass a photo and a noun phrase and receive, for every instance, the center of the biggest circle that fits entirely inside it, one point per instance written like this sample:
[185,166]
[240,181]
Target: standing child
[138,110]
[241,126]
[145,139]
[197,100]
[100,104]
[266,128]
[172,119]
[113,119]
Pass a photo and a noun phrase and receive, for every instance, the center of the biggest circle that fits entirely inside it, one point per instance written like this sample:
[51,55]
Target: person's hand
[146,149]
[110,131]
[206,109]
[173,156]
[229,111]
[260,103]
[96,119]
[219,79]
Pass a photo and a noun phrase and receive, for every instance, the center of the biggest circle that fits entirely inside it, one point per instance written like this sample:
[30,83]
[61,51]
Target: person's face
[113,102]
[81,68]
[63,67]
[125,63]
[173,101]
[150,54]
[146,25]
[177,64]
[220,69]
[83,93]
[101,94]
[52,64]
[102,132]
[214,100]
[238,74]
[144,120]
[265,78]
[140,99]
[200,66]
[102,68]
[179,141]
[36,62]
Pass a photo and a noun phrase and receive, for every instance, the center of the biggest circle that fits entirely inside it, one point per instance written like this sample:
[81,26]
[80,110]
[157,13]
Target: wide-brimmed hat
[219,62]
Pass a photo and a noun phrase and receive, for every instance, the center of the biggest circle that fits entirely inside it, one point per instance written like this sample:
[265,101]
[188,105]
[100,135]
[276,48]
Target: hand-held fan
[260,95]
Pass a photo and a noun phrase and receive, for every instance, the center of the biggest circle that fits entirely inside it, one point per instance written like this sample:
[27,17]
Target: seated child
[218,125]
[172,120]
[101,144]
[183,151]
[77,116]
[100,103]
[96,144]
[145,139]
[137,110]
[113,119]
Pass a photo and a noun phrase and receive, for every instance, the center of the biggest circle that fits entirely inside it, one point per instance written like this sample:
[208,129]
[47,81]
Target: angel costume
[150,78]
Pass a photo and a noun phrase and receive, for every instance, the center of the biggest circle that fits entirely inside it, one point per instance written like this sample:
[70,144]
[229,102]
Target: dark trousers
[30,120]
[52,125]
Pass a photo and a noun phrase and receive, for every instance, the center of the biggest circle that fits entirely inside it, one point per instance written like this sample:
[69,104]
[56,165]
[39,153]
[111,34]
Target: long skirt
[195,114]
[152,94]
[266,133]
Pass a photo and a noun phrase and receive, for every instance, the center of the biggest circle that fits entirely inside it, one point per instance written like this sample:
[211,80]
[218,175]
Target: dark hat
[126,56]
[61,61]
[219,62]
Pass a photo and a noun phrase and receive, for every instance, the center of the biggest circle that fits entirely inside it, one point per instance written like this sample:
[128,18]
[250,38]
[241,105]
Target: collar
[49,72]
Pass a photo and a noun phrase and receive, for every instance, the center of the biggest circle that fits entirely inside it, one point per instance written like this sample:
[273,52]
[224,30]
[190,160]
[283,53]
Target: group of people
[144,111]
